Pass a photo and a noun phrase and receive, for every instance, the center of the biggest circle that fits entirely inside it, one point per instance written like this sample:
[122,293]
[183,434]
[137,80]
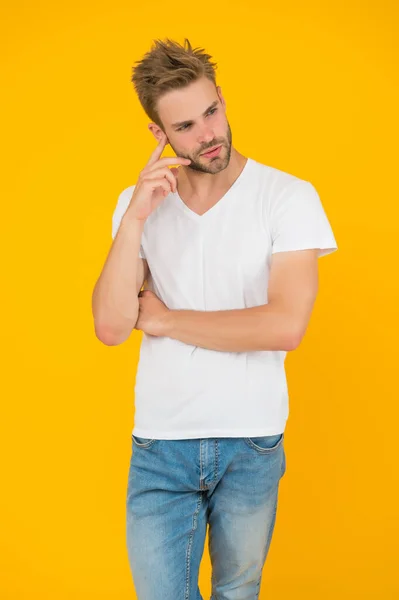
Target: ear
[157,132]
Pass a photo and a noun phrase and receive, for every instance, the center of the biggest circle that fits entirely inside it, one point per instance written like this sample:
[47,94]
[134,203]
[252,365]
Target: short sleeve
[120,209]
[298,220]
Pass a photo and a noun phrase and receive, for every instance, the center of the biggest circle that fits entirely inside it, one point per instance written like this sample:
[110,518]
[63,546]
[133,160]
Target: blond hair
[169,66]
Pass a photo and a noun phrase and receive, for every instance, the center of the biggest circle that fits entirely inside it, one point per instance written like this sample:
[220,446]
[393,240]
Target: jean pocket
[265,444]
[143,442]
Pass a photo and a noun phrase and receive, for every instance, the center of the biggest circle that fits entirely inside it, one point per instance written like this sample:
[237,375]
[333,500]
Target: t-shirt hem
[175,435]
[324,248]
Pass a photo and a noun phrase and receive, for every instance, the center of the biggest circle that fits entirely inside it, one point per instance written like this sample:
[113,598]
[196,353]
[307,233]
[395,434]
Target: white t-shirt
[220,261]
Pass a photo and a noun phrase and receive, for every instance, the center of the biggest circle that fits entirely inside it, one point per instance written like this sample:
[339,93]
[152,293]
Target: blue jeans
[178,487]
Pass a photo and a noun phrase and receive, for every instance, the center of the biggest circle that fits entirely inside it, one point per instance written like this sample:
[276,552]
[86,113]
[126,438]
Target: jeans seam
[189,547]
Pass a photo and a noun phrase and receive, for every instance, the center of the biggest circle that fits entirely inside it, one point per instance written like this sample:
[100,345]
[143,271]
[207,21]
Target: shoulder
[120,208]
[124,197]
[277,179]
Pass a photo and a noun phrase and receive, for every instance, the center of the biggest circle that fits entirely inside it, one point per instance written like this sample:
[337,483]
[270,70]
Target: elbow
[294,340]
[108,340]
[111,331]
[105,337]
[109,337]
[293,345]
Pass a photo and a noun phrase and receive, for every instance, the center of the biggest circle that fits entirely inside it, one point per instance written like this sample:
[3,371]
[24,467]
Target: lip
[211,149]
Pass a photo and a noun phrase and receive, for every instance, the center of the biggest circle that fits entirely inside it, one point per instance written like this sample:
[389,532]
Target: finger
[158,173]
[165,162]
[160,182]
[158,150]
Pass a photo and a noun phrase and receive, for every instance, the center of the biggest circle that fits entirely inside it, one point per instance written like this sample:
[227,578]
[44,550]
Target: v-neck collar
[206,215]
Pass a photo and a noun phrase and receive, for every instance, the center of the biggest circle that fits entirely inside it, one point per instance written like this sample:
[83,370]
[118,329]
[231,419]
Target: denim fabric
[176,488]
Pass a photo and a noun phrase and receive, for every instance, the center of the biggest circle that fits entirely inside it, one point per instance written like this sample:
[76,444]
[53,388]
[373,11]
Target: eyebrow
[180,123]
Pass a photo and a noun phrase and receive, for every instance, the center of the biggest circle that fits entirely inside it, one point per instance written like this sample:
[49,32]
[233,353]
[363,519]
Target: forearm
[262,327]
[115,302]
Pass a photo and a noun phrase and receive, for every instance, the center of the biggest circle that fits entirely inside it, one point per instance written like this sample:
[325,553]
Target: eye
[187,125]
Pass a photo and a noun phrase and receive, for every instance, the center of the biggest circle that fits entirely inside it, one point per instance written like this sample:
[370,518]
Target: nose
[206,137]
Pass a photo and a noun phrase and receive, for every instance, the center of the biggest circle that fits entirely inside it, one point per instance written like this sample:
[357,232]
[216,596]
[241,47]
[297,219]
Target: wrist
[132,220]
[169,323]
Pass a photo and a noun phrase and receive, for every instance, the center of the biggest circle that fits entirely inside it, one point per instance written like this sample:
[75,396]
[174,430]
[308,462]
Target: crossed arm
[278,325]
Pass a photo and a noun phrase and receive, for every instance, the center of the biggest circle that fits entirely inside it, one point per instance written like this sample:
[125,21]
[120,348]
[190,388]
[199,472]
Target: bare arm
[115,296]
[278,325]
[115,303]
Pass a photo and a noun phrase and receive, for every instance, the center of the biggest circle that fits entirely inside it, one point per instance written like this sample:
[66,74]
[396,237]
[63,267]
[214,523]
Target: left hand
[153,314]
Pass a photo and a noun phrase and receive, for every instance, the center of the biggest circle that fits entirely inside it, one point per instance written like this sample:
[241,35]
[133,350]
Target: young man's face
[194,120]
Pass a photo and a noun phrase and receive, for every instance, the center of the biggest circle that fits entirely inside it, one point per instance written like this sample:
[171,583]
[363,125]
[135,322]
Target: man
[228,249]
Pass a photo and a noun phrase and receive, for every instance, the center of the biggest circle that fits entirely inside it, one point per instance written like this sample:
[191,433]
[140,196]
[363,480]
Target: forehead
[187,103]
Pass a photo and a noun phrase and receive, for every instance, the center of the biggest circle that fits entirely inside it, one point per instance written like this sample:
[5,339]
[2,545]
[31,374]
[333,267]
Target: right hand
[155,182]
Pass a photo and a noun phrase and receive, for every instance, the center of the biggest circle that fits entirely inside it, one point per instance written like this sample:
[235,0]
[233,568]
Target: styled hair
[169,66]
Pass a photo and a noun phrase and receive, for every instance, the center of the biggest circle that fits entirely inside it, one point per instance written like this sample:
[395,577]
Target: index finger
[173,160]
[158,150]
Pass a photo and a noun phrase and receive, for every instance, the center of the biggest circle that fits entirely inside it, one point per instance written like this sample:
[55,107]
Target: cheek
[182,147]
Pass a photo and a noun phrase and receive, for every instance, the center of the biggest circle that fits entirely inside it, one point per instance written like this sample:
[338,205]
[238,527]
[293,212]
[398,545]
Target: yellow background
[311,88]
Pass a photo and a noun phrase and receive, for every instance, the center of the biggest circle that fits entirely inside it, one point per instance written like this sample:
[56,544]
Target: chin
[208,167]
